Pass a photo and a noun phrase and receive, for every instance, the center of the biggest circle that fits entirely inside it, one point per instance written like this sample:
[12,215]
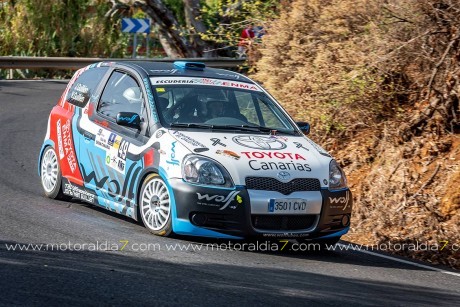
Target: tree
[169,29]
[198,28]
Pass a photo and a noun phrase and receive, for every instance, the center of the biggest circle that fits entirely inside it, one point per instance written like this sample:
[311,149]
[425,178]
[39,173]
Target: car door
[109,168]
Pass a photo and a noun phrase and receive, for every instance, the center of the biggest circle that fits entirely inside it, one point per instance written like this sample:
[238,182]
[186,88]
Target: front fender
[46,143]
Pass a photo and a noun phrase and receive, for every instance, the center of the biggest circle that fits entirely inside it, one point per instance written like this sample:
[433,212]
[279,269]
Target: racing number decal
[123,149]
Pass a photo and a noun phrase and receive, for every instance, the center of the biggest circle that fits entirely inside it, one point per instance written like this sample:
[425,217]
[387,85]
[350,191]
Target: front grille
[272,184]
[219,221]
[283,222]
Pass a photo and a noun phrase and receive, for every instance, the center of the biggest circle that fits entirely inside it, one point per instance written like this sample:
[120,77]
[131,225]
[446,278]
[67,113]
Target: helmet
[133,94]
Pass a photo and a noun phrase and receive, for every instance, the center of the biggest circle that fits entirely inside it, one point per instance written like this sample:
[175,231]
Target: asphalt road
[136,276]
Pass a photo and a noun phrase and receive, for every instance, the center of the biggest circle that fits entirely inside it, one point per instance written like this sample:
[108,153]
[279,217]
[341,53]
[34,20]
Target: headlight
[202,170]
[337,179]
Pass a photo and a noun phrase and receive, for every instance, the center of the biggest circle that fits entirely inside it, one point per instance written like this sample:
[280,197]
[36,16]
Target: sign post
[133,25]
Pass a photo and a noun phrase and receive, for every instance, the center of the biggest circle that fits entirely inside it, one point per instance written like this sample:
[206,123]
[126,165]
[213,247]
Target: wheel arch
[143,175]
[46,144]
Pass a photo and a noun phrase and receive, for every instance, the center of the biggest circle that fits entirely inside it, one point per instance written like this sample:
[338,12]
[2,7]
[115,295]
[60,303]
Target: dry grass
[380,82]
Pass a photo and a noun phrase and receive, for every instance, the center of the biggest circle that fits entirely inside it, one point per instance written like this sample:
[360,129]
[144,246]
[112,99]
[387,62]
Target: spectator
[245,40]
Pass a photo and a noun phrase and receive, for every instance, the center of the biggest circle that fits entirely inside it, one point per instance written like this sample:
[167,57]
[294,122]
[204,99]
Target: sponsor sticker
[272,155]
[172,158]
[187,139]
[112,160]
[216,141]
[220,200]
[77,192]
[102,139]
[204,81]
[59,139]
[159,133]
[279,166]
[228,153]
[340,202]
[259,142]
[65,146]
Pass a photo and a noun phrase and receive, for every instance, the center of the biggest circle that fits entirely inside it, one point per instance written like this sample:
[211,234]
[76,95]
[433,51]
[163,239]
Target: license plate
[289,205]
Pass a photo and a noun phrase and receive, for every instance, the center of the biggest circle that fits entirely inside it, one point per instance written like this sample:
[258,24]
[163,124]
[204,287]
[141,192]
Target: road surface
[99,258]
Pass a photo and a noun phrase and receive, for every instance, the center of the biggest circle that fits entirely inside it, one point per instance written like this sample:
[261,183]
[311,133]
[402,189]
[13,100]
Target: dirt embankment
[380,82]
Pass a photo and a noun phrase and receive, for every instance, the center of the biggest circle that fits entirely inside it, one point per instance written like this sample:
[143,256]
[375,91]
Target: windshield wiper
[239,127]
[253,128]
[191,125]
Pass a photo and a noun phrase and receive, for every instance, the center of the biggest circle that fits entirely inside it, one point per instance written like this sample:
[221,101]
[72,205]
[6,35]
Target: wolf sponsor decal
[339,202]
[129,120]
[259,142]
[218,200]
[114,188]
[65,146]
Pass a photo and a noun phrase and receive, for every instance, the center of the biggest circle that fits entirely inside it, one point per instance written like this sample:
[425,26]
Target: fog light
[199,219]
[345,220]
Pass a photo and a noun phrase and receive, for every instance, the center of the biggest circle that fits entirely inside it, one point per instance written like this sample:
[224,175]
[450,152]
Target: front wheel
[155,206]
[50,175]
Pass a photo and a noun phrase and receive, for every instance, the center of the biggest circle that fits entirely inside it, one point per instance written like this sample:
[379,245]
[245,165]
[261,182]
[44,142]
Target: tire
[50,175]
[155,206]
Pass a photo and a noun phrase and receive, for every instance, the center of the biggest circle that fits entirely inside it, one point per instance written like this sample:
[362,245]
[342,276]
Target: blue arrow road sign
[132,25]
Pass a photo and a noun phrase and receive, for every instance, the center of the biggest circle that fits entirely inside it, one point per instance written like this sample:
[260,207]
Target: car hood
[244,155]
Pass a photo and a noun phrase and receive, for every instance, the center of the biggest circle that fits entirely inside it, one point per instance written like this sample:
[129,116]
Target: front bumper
[244,213]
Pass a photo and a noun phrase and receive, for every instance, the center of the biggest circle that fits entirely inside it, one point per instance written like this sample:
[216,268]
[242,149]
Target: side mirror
[129,119]
[304,127]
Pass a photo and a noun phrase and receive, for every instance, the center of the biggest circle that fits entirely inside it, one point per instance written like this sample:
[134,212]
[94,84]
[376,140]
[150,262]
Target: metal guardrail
[18,62]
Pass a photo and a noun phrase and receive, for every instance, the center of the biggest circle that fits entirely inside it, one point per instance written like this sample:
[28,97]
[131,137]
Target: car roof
[152,69]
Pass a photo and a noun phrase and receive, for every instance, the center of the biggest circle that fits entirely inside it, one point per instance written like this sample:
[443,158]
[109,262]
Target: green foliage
[324,53]
[177,7]
[225,19]
[59,28]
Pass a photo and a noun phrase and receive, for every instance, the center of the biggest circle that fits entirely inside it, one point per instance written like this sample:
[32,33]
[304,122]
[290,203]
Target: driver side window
[121,94]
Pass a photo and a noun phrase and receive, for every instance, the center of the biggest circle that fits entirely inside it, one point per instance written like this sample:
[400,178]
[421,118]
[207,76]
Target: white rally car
[191,150]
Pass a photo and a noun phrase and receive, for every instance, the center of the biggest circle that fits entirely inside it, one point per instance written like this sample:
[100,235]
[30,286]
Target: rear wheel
[155,206]
[50,173]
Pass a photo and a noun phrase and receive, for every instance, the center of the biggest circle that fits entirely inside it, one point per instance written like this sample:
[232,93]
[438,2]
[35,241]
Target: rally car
[191,150]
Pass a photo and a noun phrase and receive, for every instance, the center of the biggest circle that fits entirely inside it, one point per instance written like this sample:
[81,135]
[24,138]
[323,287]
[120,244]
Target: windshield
[236,105]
